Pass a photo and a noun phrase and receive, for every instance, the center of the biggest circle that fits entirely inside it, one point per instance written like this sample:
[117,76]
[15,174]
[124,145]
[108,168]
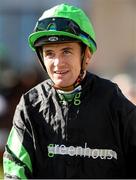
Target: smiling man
[75,124]
[63,63]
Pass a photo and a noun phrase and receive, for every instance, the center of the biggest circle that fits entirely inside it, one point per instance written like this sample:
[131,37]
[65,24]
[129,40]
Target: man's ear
[88,56]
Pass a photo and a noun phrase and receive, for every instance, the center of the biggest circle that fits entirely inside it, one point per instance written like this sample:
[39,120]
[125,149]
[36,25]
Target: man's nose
[58,61]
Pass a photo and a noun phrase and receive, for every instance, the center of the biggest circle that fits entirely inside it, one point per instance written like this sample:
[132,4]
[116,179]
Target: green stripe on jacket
[18,149]
[13,169]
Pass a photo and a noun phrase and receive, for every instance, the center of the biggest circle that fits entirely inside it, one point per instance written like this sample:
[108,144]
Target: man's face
[63,62]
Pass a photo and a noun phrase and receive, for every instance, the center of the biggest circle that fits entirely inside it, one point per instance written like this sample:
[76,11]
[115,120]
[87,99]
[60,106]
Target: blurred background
[115,26]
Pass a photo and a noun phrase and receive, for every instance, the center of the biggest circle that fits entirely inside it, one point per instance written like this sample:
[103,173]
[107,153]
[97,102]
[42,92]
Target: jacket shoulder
[101,84]
[109,91]
[38,93]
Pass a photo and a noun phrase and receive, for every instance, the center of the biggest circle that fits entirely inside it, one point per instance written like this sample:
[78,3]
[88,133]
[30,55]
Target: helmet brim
[54,39]
[36,35]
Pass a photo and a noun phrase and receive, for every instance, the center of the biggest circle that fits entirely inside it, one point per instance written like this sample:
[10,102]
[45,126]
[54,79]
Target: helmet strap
[82,71]
[40,56]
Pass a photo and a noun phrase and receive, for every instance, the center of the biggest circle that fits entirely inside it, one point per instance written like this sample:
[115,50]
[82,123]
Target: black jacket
[94,136]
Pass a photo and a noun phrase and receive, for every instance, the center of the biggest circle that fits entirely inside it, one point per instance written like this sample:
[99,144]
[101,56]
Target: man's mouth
[62,72]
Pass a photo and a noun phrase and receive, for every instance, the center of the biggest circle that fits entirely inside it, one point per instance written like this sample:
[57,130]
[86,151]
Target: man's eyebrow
[66,48]
[51,50]
[47,50]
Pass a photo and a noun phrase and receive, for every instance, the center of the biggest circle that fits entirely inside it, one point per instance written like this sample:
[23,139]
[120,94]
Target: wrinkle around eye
[66,52]
[49,55]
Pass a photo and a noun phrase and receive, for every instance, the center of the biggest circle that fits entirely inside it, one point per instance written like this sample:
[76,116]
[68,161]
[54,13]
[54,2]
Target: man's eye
[67,52]
[49,54]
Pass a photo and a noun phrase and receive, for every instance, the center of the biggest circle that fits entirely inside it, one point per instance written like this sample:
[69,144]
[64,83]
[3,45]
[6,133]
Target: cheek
[47,63]
[48,66]
[77,66]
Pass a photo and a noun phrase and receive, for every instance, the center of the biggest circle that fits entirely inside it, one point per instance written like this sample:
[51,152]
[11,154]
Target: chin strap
[40,56]
[73,86]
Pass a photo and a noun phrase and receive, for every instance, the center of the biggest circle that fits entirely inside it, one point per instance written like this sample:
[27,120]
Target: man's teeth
[60,72]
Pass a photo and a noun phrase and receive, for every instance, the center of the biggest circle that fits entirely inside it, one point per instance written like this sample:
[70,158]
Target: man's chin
[62,83]
[63,86]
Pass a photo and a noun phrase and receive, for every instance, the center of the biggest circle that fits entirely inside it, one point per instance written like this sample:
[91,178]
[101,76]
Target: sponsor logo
[81,151]
[53,38]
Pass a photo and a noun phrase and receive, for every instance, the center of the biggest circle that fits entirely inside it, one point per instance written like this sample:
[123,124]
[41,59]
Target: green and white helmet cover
[70,13]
